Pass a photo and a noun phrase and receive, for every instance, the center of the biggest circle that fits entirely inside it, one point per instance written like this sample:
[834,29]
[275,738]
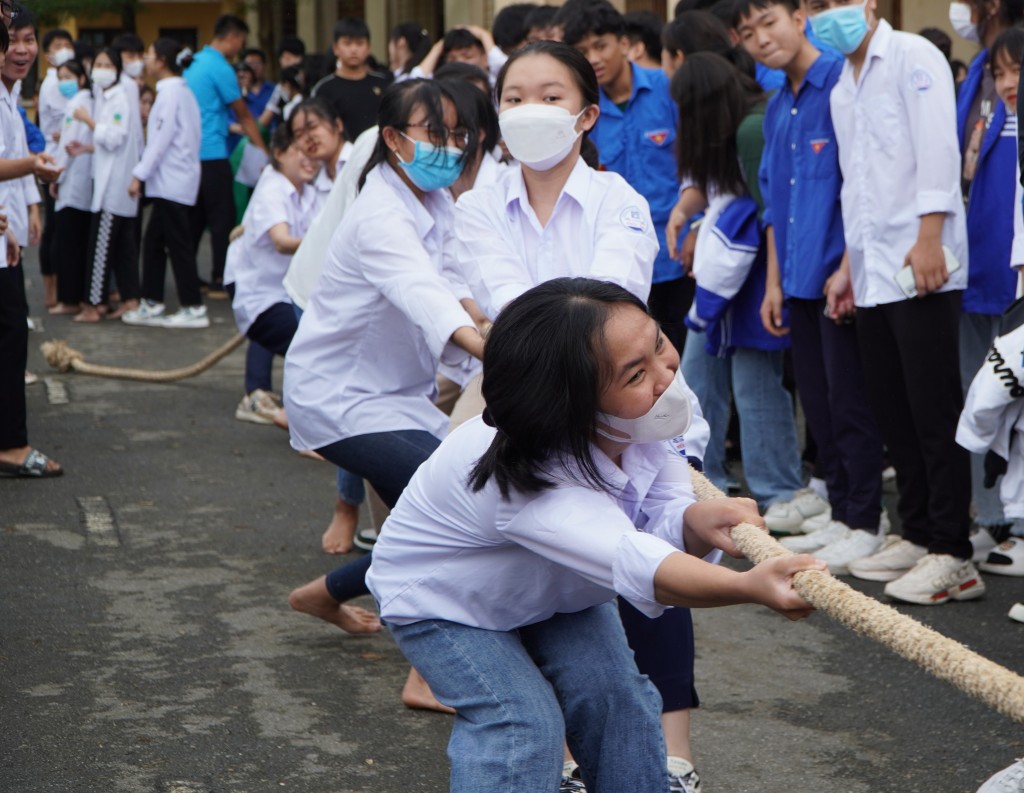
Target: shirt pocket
[819,155]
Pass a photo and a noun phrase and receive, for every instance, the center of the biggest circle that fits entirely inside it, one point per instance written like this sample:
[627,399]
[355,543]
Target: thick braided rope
[974,674]
[64,358]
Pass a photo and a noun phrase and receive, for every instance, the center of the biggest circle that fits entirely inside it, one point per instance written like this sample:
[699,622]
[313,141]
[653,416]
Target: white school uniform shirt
[16,195]
[51,109]
[131,90]
[170,163]
[900,158]
[117,153]
[258,271]
[365,355]
[75,181]
[601,228]
[448,553]
[308,260]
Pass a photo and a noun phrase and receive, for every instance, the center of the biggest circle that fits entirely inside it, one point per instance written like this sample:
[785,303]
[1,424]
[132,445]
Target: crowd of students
[597,241]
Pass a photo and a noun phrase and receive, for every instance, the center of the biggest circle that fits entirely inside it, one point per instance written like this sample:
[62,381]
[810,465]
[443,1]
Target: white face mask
[134,69]
[61,56]
[104,78]
[539,136]
[669,417]
[960,19]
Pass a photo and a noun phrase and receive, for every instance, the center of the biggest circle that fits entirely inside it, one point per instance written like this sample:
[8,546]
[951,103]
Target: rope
[66,359]
[948,660]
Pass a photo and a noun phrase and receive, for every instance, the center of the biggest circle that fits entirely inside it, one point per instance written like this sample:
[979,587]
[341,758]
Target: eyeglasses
[459,137]
[9,10]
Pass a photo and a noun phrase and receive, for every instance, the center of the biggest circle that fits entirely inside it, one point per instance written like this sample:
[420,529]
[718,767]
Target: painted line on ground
[56,391]
[98,521]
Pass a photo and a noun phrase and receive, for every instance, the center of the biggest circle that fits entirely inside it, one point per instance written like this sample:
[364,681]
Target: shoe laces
[684,783]
[570,784]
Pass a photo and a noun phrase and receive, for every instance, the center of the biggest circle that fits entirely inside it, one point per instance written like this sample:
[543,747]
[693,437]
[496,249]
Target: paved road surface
[146,645]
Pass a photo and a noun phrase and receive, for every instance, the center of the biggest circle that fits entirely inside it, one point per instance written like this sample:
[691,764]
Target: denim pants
[350,486]
[768,445]
[518,694]
[387,460]
[976,334]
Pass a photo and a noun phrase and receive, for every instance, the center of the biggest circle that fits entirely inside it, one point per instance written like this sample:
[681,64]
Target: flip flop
[35,466]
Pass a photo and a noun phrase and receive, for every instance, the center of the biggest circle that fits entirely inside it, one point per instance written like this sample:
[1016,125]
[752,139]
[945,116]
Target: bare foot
[281,419]
[87,314]
[126,306]
[312,455]
[339,534]
[18,455]
[314,599]
[416,694]
[65,308]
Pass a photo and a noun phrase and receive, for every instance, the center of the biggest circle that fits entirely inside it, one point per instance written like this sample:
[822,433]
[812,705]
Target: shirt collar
[817,75]
[174,78]
[576,187]
[879,46]
[641,81]
[641,464]
[421,215]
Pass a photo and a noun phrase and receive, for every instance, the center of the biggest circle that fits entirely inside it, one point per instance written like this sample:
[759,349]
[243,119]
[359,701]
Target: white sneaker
[786,517]
[257,408]
[937,578]
[1017,612]
[148,313]
[1007,558]
[982,542]
[1009,780]
[896,558]
[187,317]
[817,522]
[834,531]
[856,545]
[365,539]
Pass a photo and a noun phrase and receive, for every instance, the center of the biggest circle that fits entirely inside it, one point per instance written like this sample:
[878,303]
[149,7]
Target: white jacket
[170,164]
[117,153]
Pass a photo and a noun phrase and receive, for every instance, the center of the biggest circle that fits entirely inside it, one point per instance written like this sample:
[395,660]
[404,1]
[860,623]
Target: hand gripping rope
[973,674]
[66,359]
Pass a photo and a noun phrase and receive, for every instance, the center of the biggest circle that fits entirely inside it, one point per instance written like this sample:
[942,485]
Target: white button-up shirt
[448,553]
[117,153]
[51,109]
[15,194]
[898,150]
[170,164]
[380,318]
[601,228]
[258,268]
[75,182]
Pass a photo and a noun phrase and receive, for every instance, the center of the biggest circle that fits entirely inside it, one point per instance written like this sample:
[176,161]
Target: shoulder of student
[321,83]
[920,62]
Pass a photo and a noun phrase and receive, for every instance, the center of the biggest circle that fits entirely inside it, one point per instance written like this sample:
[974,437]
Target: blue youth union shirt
[639,145]
[801,180]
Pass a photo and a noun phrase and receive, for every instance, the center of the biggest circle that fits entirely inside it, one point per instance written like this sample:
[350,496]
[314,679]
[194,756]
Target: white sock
[568,767]
[679,766]
[819,487]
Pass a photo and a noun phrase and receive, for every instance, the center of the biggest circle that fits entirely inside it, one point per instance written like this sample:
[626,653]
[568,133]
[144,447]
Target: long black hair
[397,104]
[175,55]
[713,97]
[570,57]
[76,69]
[474,106]
[418,40]
[544,371]
[115,58]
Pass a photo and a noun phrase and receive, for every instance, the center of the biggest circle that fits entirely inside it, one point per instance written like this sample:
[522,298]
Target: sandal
[35,466]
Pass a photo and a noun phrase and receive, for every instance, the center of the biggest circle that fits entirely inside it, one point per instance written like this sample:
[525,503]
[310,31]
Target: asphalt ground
[146,644]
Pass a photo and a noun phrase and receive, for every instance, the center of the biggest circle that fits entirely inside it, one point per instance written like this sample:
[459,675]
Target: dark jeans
[215,207]
[830,382]
[664,651]
[13,358]
[911,355]
[387,460]
[169,234]
[71,251]
[271,334]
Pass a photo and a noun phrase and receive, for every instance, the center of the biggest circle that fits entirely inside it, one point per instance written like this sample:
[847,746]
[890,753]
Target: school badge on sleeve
[657,136]
[633,219]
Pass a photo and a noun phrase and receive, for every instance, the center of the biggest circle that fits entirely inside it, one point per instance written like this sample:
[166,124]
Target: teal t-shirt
[215,86]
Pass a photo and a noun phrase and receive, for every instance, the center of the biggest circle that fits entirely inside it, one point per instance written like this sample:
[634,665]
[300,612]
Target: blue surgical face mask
[843,28]
[68,88]
[432,167]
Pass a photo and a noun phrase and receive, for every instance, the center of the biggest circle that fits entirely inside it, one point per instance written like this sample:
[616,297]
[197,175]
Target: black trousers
[71,252]
[215,208]
[112,249]
[669,301]
[169,234]
[664,651]
[13,358]
[830,382]
[910,350]
[48,263]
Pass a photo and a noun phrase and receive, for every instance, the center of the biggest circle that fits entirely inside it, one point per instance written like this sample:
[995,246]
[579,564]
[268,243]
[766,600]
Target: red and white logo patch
[818,144]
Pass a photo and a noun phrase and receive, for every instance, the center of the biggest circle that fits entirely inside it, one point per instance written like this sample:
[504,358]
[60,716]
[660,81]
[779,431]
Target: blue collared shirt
[638,144]
[801,181]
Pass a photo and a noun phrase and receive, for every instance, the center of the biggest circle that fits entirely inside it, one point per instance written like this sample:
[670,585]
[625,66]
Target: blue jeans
[976,334]
[768,445]
[387,460]
[518,694]
[350,486]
